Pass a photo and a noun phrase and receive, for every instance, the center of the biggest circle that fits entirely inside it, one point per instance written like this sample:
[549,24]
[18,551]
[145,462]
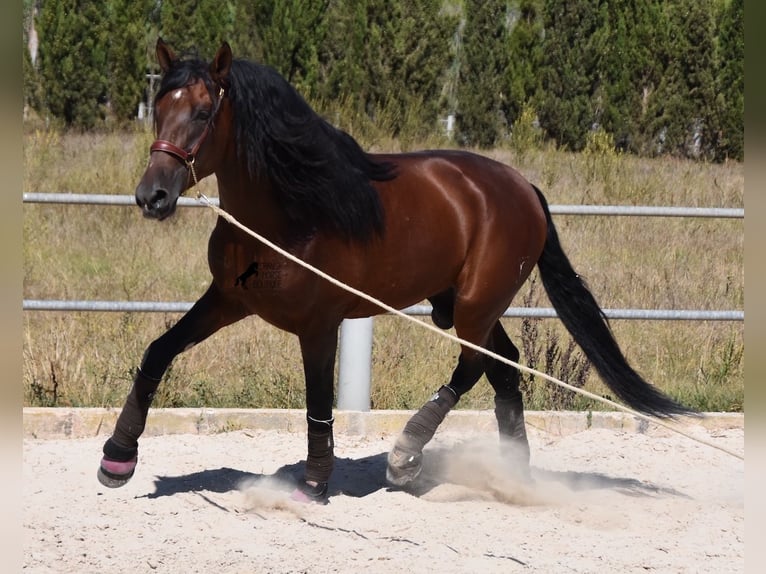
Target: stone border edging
[68,423]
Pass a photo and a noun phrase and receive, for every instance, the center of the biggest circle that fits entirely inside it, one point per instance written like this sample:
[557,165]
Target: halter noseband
[188,157]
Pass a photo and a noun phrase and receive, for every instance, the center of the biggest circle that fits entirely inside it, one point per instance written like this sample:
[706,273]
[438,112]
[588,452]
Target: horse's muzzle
[156,203]
[159,189]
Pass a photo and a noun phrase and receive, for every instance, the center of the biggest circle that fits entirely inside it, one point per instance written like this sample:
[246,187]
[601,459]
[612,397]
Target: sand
[602,501]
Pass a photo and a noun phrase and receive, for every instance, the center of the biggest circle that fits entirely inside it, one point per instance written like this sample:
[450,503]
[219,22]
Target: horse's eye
[202,116]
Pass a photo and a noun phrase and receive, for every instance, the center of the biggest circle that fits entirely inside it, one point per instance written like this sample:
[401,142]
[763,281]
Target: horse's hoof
[114,474]
[403,466]
[308,494]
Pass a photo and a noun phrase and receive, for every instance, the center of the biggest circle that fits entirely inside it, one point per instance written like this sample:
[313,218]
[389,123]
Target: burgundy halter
[188,157]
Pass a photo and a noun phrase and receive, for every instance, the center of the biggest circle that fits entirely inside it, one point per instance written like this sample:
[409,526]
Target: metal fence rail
[625,210]
[603,210]
[355,340]
[539,312]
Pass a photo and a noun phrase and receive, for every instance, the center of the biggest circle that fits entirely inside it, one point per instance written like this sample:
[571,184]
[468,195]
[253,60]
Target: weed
[723,365]
[602,162]
[526,135]
[229,426]
[545,353]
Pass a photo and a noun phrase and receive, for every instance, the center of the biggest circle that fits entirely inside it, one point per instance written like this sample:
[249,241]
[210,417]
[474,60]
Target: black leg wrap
[132,419]
[421,427]
[114,451]
[510,422]
[321,457]
[406,458]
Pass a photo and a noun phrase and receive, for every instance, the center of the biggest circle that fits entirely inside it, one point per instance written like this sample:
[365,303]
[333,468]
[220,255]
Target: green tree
[629,70]
[524,58]
[681,114]
[196,25]
[73,37]
[569,104]
[730,82]
[483,67]
[633,68]
[29,71]
[30,80]
[128,62]
[389,56]
[244,34]
[344,73]
[284,35]
[407,58]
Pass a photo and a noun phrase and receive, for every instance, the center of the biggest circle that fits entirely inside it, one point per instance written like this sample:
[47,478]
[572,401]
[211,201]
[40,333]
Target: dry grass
[91,252]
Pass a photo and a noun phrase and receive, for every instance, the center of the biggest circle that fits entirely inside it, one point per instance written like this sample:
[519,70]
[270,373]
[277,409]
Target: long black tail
[586,322]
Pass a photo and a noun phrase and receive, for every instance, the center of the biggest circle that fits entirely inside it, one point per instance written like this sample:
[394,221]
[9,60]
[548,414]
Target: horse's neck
[252,203]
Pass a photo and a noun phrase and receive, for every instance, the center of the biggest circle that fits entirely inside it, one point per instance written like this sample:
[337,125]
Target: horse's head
[192,122]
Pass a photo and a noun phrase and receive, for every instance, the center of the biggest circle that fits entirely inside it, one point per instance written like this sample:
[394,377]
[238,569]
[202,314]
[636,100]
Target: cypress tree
[288,36]
[681,118]
[525,55]
[483,67]
[196,26]
[128,57]
[29,70]
[248,18]
[389,56]
[408,61]
[73,61]
[730,82]
[343,67]
[630,70]
[569,104]
[29,79]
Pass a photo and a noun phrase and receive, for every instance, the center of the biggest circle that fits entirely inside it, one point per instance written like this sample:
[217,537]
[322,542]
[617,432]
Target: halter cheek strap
[188,157]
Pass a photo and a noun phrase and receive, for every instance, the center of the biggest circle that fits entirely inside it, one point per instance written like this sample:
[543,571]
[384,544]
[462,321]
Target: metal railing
[356,334]
[538,312]
[627,210]
[601,210]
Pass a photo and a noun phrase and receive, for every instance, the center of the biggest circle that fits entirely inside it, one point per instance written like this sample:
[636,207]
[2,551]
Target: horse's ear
[221,64]
[165,55]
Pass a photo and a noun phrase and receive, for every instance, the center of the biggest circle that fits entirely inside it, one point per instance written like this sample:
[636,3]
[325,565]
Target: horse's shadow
[353,477]
[360,477]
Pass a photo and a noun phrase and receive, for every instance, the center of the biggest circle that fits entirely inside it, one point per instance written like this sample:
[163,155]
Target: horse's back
[465,177]
[453,220]
[469,194]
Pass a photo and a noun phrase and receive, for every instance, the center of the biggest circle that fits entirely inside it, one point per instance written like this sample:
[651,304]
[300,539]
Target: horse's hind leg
[209,314]
[405,459]
[509,405]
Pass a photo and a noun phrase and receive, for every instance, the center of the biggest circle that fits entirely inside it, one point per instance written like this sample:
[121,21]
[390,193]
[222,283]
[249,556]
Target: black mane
[320,174]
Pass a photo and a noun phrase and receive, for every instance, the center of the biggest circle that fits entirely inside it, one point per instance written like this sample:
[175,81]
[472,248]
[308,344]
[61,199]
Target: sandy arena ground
[603,501]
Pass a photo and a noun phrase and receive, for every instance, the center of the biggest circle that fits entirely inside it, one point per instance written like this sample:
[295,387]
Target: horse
[452,227]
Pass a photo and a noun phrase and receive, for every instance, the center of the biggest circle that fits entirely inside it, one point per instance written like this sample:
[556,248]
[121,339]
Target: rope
[228,217]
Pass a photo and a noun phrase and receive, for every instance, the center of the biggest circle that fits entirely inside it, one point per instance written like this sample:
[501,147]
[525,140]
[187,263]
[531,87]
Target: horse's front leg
[211,312]
[318,350]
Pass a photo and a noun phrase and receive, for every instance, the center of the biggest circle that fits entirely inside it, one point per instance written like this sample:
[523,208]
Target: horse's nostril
[154,202]
[158,198]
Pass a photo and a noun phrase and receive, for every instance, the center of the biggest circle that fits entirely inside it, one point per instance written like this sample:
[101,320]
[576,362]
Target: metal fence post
[355,364]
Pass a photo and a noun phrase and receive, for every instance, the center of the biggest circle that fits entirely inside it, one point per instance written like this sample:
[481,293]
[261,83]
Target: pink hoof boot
[114,473]
[308,494]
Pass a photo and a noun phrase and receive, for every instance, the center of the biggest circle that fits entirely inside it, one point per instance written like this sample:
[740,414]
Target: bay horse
[453,227]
